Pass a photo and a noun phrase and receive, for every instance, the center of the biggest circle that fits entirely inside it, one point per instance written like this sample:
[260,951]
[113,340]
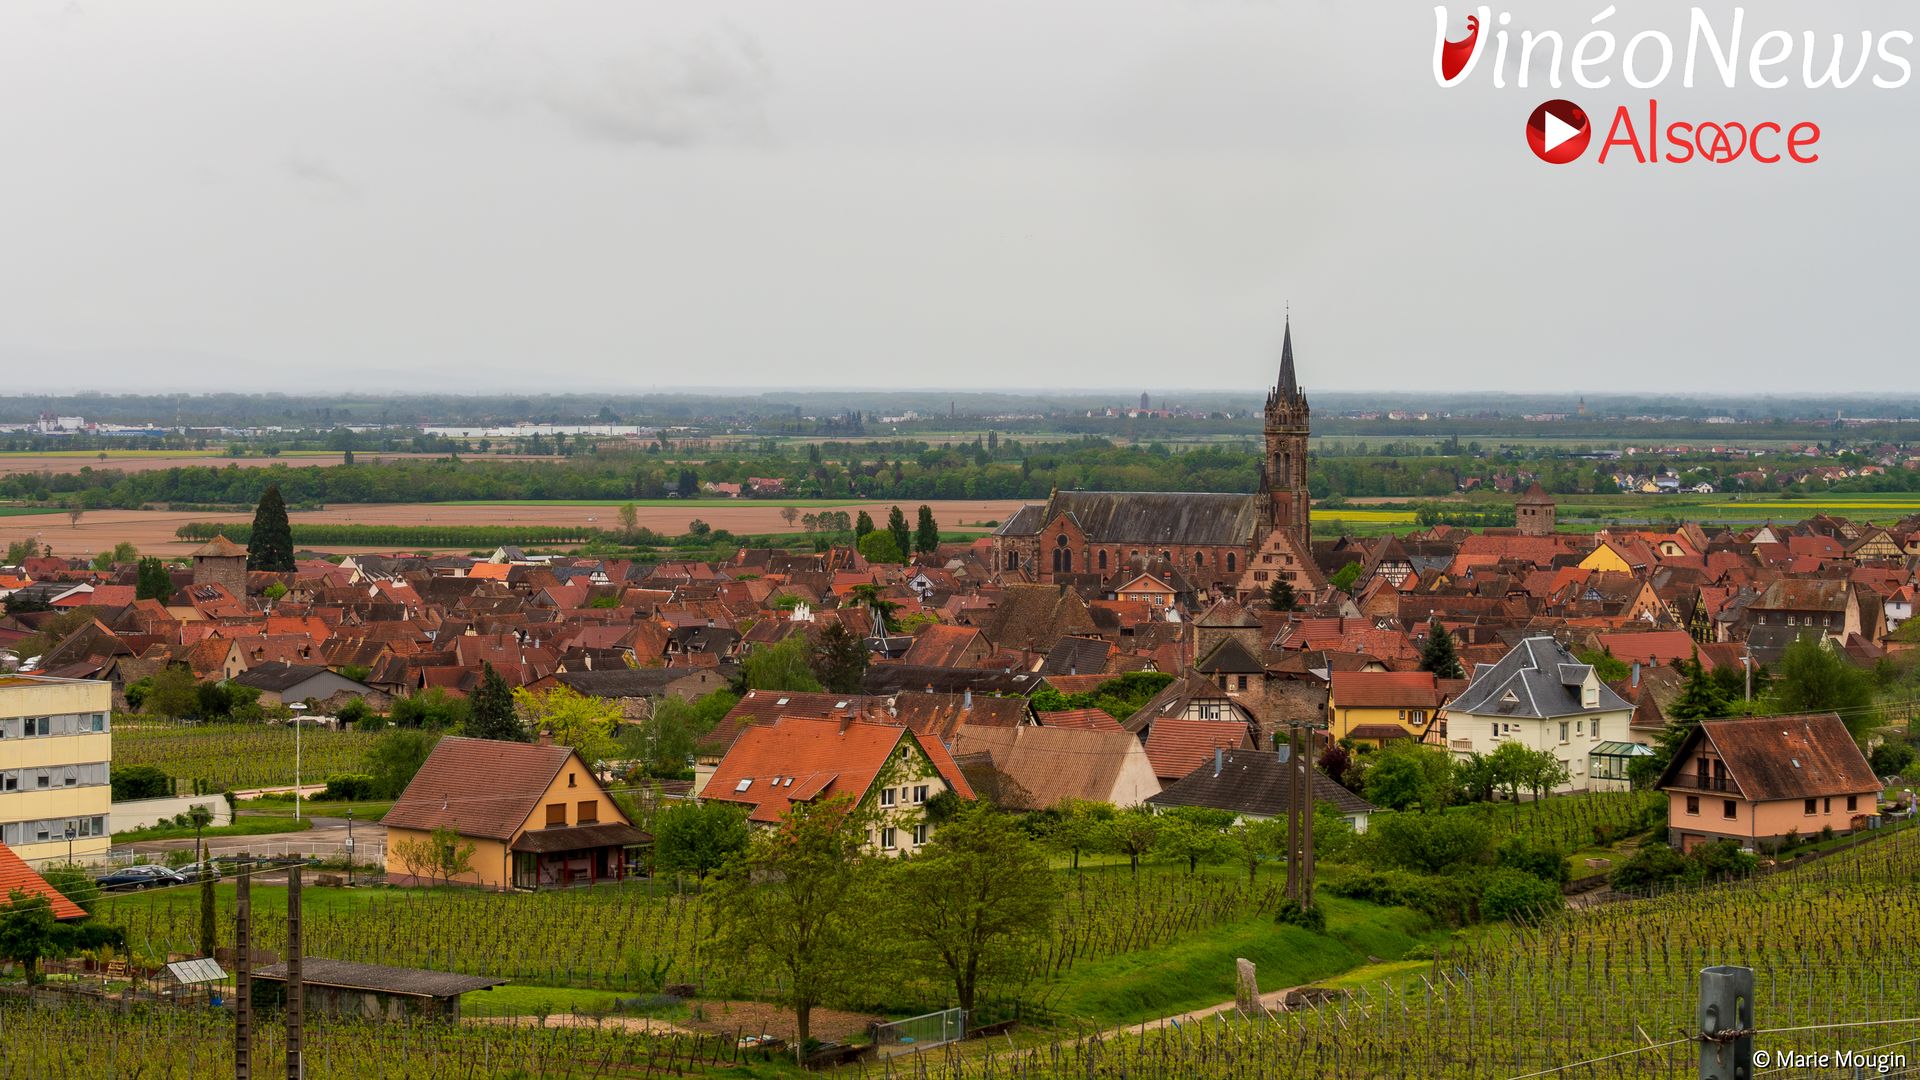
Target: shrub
[73,882]
[348,787]
[1544,863]
[1891,759]
[1720,860]
[1654,864]
[130,782]
[1446,899]
[1510,894]
[1430,842]
[1307,918]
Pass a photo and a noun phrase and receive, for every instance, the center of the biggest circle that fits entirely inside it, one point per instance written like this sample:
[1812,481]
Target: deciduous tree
[897,528]
[974,901]
[574,719]
[698,838]
[926,533]
[796,904]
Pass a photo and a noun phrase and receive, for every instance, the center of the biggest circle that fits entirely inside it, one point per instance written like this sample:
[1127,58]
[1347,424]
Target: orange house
[1759,780]
[535,816]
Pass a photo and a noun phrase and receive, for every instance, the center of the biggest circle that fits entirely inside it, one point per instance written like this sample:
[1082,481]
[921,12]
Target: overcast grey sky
[437,194]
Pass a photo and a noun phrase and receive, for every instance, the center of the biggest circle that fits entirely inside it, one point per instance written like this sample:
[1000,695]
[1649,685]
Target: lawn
[282,804]
[246,825]
[1199,971]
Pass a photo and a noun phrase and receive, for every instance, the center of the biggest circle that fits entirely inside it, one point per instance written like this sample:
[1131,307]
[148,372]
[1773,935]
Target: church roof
[1159,517]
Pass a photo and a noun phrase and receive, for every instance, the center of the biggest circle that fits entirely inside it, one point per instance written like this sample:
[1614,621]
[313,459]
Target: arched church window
[1230,562]
[1103,558]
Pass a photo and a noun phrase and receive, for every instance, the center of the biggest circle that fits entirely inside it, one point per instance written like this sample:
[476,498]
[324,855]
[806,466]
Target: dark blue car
[140,877]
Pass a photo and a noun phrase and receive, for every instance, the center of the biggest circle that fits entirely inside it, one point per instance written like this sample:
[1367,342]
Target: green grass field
[246,825]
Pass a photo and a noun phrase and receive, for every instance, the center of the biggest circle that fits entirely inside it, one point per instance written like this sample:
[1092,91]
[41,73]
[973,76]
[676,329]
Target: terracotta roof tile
[17,876]
[479,787]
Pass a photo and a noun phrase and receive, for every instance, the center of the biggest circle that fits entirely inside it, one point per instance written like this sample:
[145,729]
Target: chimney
[1219,759]
[966,698]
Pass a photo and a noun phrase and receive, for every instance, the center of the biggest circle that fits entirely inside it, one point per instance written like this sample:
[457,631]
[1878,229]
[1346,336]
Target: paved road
[327,834]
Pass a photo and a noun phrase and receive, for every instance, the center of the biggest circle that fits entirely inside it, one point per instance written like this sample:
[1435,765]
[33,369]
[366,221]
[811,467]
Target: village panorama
[959,736]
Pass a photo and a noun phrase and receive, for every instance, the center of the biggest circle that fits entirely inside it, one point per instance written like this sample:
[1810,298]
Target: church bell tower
[1284,469]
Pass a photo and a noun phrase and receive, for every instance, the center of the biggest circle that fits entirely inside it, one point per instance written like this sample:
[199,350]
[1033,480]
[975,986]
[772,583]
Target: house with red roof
[885,769]
[1759,781]
[1378,706]
[535,815]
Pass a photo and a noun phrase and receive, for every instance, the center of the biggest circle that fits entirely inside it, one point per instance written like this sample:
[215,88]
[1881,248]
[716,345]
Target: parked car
[195,871]
[140,877]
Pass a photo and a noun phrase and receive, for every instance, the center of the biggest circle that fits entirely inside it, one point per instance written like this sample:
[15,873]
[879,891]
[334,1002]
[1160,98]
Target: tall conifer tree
[271,545]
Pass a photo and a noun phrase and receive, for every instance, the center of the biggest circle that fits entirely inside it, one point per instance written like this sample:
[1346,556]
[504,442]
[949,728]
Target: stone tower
[222,562]
[1534,512]
[1284,470]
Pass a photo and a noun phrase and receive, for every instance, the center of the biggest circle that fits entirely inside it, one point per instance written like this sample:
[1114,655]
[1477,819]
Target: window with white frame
[888,841]
[919,794]
[886,796]
[919,835]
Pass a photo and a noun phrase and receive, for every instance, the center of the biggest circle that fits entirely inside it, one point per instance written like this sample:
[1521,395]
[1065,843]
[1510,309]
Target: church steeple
[1283,472]
[1289,387]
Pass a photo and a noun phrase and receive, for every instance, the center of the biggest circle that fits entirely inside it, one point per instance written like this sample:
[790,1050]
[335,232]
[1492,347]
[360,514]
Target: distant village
[983,654]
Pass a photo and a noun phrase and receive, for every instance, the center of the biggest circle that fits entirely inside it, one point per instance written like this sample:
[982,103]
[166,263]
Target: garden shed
[371,991]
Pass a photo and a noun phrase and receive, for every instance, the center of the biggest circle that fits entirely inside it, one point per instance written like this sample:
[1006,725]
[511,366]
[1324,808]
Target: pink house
[1758,780]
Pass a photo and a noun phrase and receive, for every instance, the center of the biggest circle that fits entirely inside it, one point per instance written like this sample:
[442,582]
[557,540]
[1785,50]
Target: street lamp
[298,707]
[70,834]
[1746,661]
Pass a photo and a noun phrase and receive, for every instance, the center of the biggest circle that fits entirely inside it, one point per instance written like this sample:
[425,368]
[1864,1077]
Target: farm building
[370,991]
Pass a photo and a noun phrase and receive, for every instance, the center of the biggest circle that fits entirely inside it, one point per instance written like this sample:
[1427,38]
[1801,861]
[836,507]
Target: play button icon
[1558,131]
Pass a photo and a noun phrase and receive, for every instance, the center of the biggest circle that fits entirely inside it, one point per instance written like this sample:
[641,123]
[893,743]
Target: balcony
[1696,782]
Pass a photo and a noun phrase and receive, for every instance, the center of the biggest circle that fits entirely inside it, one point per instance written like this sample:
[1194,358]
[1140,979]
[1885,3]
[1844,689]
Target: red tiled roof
[1385,690]
[1087,719]
[480,787]
[1177,746]
[796,759]
[17,876]
[1651,647]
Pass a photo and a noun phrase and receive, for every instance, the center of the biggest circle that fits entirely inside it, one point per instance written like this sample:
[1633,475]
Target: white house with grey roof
[1542,696]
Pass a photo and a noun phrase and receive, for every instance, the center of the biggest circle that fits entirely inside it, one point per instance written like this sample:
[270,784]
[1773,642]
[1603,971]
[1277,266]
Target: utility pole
[242,969]
[296,989]
[1725,1017]
[1300,741]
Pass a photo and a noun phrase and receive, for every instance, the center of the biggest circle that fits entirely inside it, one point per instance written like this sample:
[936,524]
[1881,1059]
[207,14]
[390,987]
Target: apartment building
[56,749]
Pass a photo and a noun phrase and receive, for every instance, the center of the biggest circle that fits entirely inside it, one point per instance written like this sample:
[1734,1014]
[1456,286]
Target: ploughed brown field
[152,531]
[138,462]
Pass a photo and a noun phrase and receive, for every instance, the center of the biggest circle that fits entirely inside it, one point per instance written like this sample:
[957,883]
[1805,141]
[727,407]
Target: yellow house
[534,815]
[56,751]
[1607,558]
[1379,706]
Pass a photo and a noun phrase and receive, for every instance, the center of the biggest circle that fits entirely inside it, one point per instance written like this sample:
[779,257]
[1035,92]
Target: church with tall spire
[1284,468]
[1200,545]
